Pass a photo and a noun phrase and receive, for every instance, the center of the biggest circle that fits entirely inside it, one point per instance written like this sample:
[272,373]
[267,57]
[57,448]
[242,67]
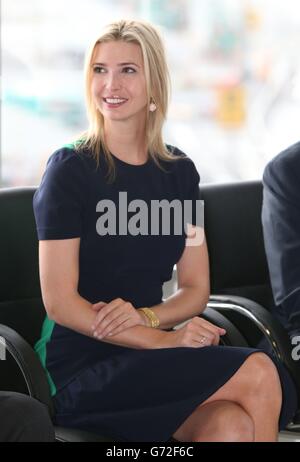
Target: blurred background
[235,76]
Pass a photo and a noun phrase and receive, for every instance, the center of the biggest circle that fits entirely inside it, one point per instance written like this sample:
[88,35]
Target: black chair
[22,311]
[21,307]
[240,284]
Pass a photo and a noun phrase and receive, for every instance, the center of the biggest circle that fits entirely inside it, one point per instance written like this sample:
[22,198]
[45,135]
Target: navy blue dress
[129,394]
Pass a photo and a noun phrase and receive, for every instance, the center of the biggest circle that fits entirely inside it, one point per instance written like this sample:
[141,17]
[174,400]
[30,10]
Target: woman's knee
[263,377]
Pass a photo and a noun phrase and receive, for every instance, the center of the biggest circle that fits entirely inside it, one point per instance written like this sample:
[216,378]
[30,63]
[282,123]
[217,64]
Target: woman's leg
[256,388]
[218,421]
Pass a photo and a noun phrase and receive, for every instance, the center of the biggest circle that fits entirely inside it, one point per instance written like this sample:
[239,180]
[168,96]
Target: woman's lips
[114,102]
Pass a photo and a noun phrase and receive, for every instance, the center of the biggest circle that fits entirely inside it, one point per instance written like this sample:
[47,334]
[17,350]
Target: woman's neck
[129,144]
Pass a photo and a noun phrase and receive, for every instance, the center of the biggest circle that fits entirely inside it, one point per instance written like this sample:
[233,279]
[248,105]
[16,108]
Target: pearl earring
[152,107]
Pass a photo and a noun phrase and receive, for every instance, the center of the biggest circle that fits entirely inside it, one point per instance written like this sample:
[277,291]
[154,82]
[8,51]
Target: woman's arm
[193,287]
[59,274]
[189,300]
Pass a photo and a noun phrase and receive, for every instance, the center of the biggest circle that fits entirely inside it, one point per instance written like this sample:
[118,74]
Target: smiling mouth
[114,101]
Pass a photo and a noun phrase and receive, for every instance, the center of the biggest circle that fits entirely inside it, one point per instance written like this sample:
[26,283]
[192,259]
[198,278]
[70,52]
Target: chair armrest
[30,366]
[233,337]
[264,321]
[295,425]
[73,435]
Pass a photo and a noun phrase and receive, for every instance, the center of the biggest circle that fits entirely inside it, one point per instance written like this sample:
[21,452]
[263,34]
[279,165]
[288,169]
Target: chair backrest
[21,306]
[234,235]
[233,230]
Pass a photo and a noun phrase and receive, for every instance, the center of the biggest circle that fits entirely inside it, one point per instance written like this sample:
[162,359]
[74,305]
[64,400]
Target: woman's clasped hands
[114,317]
[118,315]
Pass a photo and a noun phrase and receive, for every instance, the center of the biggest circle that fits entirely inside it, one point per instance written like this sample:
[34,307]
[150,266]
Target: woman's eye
[98,69]
[129,70]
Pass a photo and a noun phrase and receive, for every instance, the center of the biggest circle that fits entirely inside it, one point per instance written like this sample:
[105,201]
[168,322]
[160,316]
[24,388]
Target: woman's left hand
[115,317]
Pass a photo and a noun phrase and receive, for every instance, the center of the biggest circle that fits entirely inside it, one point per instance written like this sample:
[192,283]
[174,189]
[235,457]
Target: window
[234,66]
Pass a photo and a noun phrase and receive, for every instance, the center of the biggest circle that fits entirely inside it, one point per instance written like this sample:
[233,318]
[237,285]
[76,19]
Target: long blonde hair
[157,87]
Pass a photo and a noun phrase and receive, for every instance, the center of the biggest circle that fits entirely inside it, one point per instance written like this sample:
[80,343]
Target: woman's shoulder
[176,151]
[68,159]
[67,154]
[66,166]
[181,155]
[183,162]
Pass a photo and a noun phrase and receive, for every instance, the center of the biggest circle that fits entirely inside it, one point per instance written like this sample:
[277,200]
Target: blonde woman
[114,364]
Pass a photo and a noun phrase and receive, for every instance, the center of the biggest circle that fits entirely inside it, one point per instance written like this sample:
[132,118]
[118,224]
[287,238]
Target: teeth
[114,100]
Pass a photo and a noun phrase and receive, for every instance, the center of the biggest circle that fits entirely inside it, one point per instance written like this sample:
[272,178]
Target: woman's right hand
[196,333]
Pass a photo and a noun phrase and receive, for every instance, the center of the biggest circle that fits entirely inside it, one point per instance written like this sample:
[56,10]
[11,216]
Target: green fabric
[73,144]
[41,350]
[48,325]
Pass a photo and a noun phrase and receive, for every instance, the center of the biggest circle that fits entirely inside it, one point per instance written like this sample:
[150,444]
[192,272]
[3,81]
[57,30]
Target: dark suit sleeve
[281,227]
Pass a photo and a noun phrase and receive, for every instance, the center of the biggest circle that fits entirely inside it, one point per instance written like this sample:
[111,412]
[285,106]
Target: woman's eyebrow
[121,64]
[128,64]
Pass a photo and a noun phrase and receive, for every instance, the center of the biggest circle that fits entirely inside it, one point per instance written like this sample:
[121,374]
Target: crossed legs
[245,408]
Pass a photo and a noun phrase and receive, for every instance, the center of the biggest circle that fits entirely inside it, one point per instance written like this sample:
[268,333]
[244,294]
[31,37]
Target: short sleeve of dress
[59,201]
[194,196]
[189,180]
[195,215]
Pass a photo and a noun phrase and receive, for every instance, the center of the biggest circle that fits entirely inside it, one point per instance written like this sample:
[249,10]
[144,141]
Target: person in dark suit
[281,228]
[24,419]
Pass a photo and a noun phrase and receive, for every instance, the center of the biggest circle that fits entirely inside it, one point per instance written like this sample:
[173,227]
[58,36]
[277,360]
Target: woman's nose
[113,81]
